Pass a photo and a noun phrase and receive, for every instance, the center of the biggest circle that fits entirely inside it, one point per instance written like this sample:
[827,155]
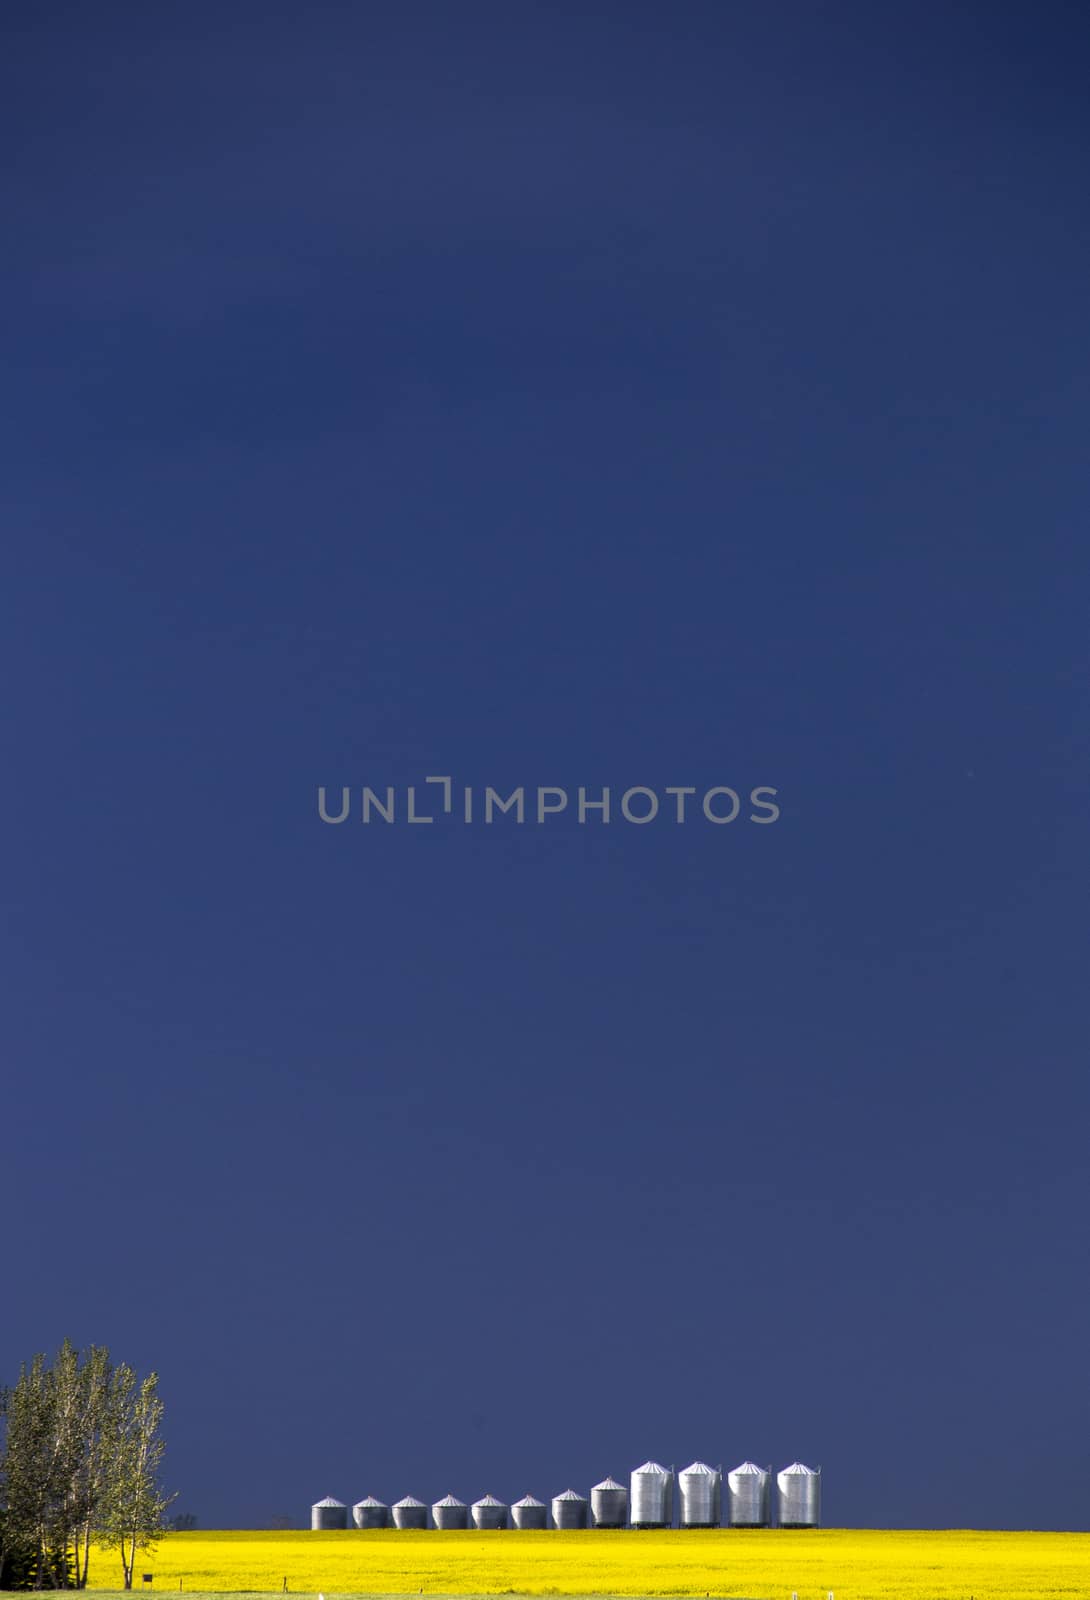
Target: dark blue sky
[546,394]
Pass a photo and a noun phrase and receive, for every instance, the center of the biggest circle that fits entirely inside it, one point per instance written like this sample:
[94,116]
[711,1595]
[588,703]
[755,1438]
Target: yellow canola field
[769,1564]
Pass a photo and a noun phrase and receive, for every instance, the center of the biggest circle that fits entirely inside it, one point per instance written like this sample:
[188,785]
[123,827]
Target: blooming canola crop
[765,1564]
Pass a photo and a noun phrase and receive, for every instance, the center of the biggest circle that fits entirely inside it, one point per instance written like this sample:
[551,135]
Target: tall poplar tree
[130,1513]
[31,1481]
[90,1479]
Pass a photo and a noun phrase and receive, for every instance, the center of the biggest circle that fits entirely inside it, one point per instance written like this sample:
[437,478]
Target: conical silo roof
[528,1500]
[371,1503]
[329,1501]
[409,1500]
[700,1469]
[488,1500]
[610,1483]
[450,1500]
[750,1468]
[652,1466]
[798,1470]
[570,1494]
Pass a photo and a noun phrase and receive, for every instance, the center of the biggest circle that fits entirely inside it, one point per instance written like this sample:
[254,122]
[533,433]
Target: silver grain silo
[450,1513]
[328,1513]
[570,1510]
[700,1490]
[652,1502]
[370,1513]
[800,1496]
[609,1504]
[488,1512]
[410,1513]
[529,1513]
[748,1497]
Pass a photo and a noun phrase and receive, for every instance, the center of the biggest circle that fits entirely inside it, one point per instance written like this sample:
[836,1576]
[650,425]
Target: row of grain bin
[409,1512]
[648,1503]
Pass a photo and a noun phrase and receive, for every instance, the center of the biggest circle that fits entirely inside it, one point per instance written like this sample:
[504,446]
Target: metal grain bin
[652,1502]
[410,1513]
[450,1513]
[570,1510]
[800,1496]
[328,1513]
[700,1490]
[748,1497]
[370,1513]
[488,1512]
[529,1512]
[609,1504]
